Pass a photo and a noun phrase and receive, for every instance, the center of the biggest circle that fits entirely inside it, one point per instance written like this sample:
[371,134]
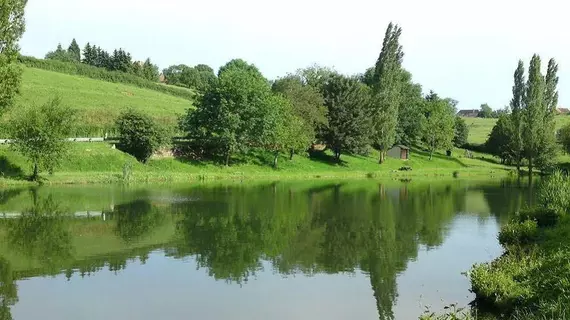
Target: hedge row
[81,69]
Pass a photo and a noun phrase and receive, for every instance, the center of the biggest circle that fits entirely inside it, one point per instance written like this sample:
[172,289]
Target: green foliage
[543,217]
[347,101]
[461,132]
[92,72]
[564,137]
[518,233]
[387,91]
[500,143]
[440,120]
[139,135]
[554,193]
[201,77]
[516,117]
[411,115]
[236,113]
[307,103]
[12,27]
[74,51]
[39,134]
[486,111]
[60,54]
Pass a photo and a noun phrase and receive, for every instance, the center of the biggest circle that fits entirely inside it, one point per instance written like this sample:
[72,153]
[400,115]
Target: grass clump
[518,233]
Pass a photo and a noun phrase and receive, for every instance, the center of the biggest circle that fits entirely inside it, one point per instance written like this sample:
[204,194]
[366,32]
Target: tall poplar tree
[533,112]
[386,85]
[12,27]
[548,147]
[516,114]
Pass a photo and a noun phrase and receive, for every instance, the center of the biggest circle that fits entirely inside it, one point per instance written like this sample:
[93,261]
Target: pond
[303,250]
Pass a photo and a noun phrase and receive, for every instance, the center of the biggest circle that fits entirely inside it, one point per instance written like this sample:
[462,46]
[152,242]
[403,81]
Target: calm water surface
[348,250]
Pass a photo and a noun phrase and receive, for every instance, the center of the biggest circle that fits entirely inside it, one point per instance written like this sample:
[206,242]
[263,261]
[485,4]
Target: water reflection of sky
[168,288]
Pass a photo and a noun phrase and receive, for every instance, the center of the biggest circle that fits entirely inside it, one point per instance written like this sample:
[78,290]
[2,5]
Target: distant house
[473,113]
[399,152]
[162,78]
[563,110]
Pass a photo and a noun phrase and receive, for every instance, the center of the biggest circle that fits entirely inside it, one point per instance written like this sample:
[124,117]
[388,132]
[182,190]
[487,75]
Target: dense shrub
[543,217]
[81,69]
[554,193]
[139,135]
[518,233]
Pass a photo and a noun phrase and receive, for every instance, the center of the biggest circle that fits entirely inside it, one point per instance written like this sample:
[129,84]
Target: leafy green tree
[486,111]
[232,114]
[307,103]
[60,54]
[316,76]
[39,133]
[347,101]
[440,120]
[149,70]
[516,116]
[387,83]
[564,137]
[74,51]
[411,117]
[173,74]
[548,146]
[461,132]
[500,142]
[12,27]
[287,132]
[139,135]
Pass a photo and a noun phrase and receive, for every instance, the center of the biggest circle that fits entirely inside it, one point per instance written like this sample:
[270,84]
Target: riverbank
[100,163]
[531,280]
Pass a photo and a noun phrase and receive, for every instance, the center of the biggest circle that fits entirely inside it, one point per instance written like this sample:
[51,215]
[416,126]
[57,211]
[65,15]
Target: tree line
[525,133]
[119,60]
[239,110]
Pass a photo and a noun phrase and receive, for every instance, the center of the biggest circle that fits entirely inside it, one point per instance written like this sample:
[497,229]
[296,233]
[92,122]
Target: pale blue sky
[466,50]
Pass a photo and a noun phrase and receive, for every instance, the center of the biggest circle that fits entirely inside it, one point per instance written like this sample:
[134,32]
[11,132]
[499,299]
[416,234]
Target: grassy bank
[531,280]
[97,102]
[99,163]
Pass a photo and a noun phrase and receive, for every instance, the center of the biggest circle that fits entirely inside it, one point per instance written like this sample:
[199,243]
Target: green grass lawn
[480,128]
[98,102]
[98,162]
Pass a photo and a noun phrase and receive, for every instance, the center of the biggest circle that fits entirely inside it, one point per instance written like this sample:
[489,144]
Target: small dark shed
[399,152]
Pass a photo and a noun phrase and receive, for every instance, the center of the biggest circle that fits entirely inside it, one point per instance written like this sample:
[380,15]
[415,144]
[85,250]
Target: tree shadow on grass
[10,170]
[437,156]
[323,157]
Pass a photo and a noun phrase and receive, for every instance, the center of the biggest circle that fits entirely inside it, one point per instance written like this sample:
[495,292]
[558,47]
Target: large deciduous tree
[410,114]
[12,27]
[307,104]
[438,130]
[386,86]
[232,114]
[500,142]
[348,102]
[461,132]
[39,133]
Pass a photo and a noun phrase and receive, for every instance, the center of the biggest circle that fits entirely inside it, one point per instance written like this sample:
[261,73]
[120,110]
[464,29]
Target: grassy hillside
[98,162]
[480,128]
[98,102]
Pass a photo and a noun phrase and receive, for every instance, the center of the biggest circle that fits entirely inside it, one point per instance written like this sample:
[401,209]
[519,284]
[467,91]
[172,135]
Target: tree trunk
[227,158]
[275,158]
[530,167]
[36,173]
[382,157]
[519,165]
[337,156]
[431,154]
[291,153]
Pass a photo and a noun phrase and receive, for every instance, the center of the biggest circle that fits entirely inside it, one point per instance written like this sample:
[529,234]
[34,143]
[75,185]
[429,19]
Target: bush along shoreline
[531,280]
